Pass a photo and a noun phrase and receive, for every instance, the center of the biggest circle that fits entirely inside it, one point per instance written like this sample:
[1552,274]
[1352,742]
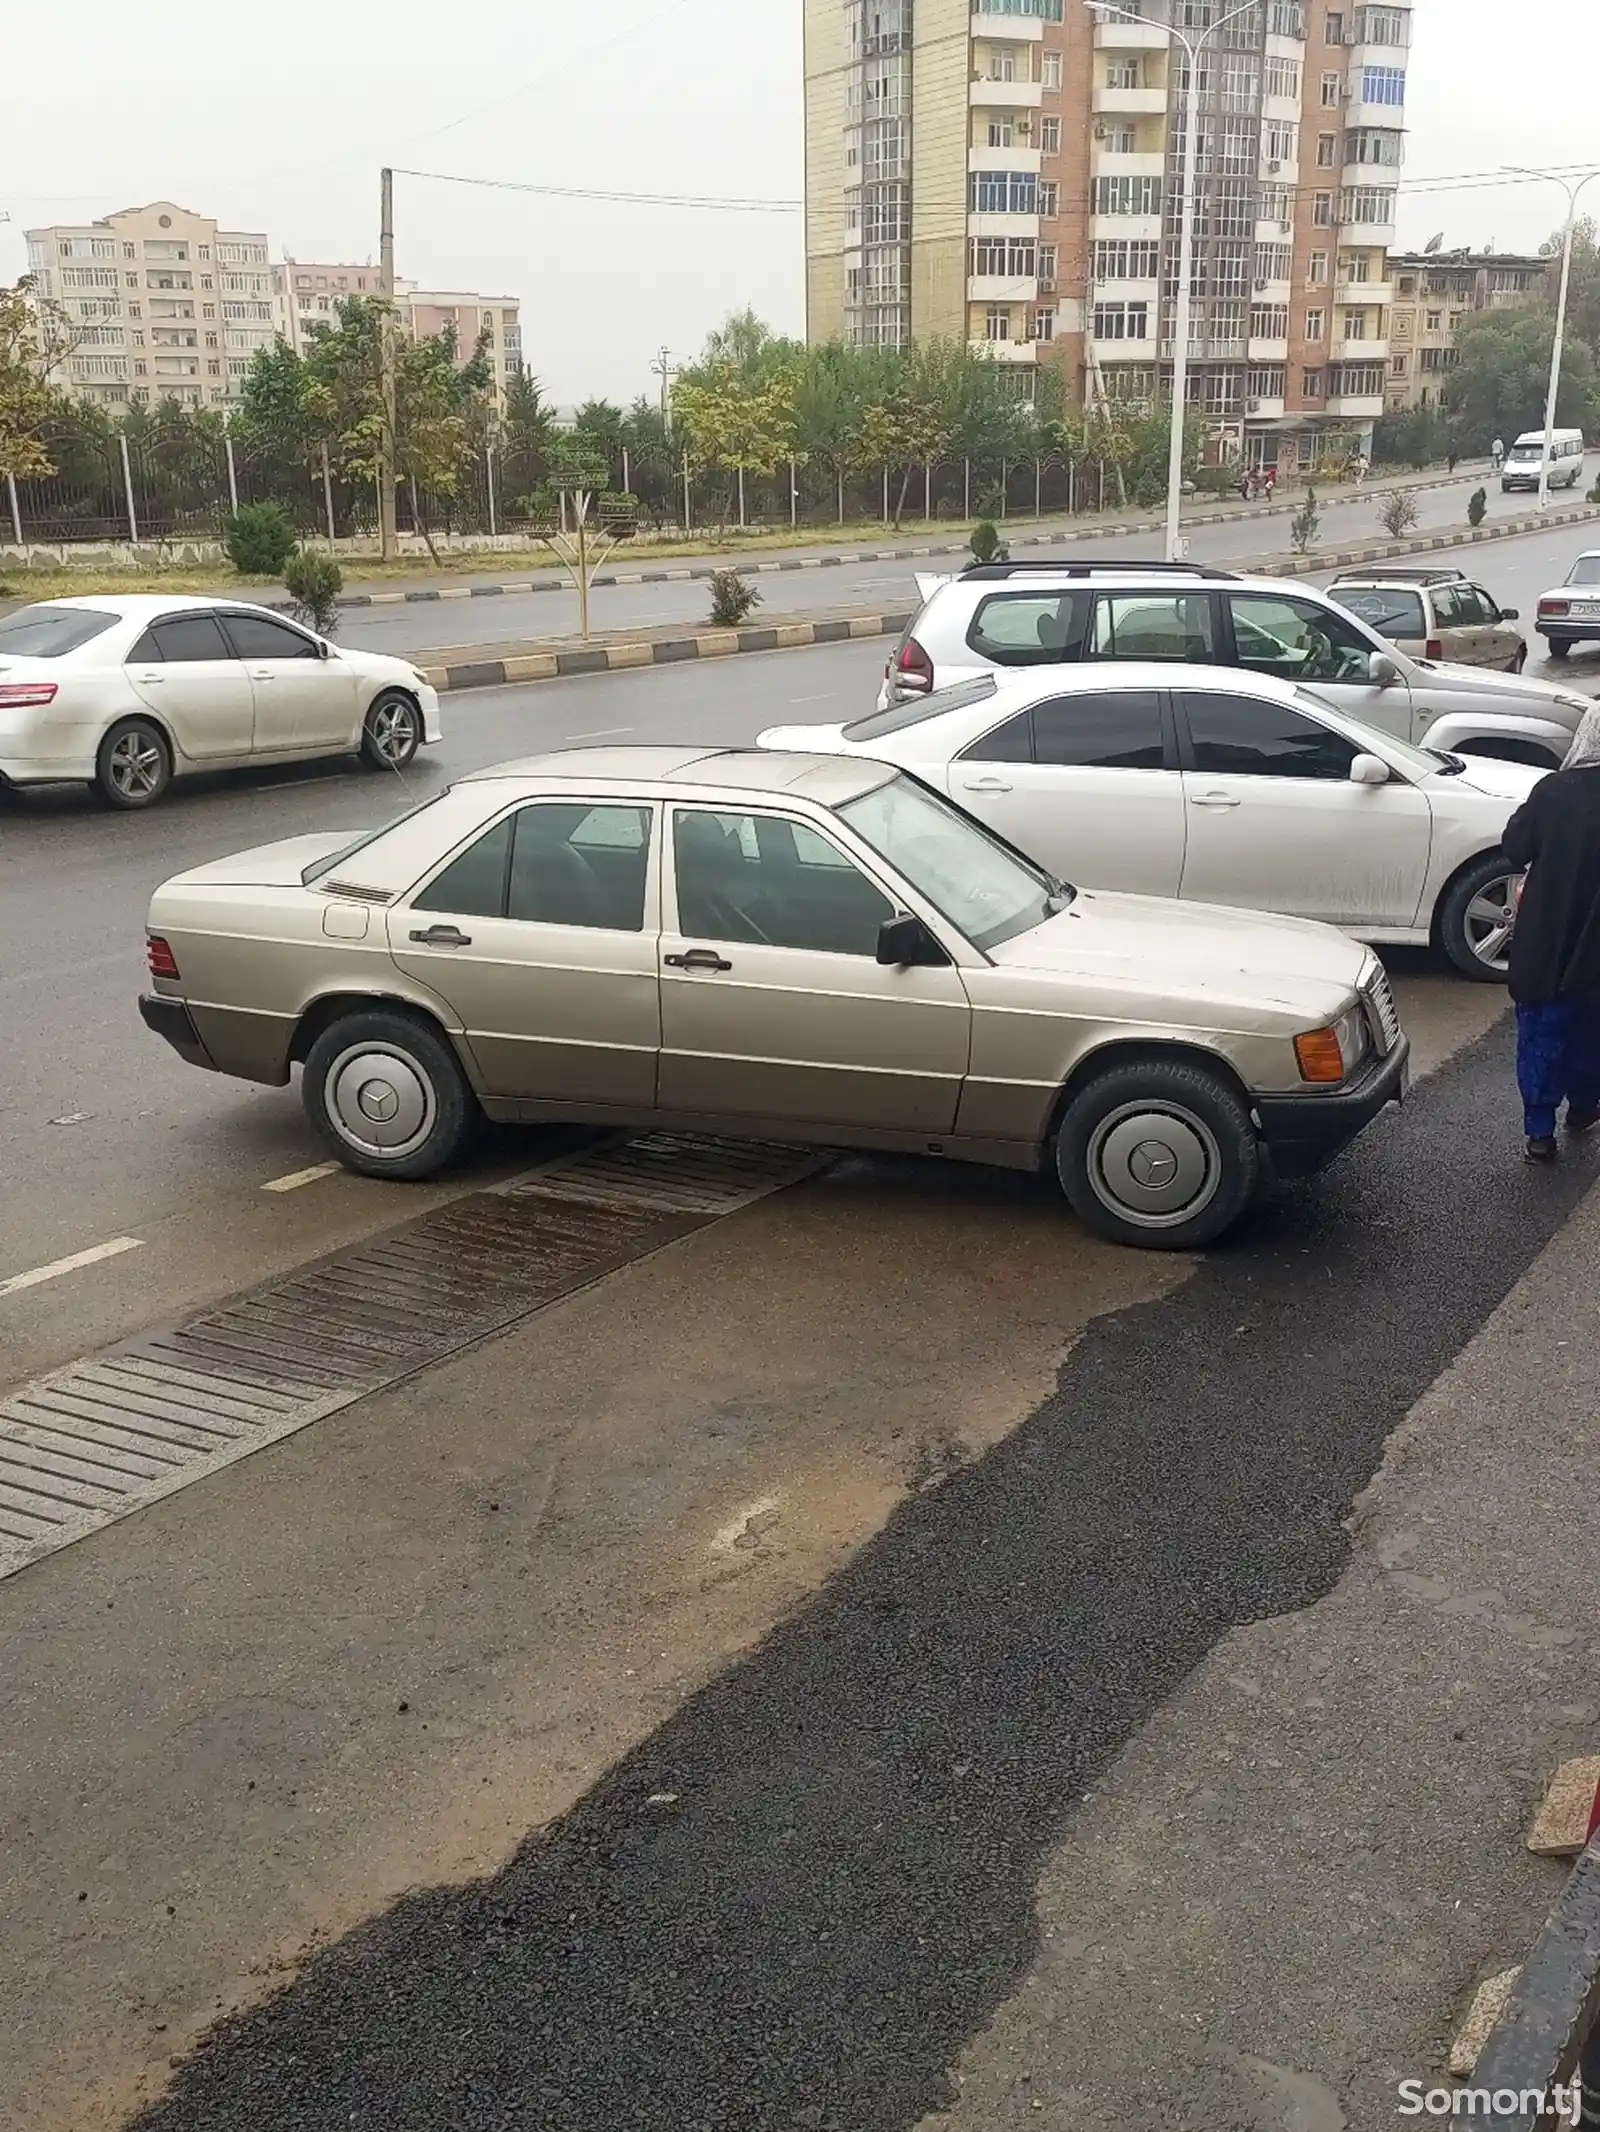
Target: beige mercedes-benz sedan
[802,947]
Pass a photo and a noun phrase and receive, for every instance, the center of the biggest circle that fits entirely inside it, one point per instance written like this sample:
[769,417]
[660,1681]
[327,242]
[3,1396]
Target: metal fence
[184,486]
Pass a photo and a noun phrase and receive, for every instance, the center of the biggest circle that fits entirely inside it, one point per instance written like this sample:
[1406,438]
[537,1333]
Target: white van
[1521,470]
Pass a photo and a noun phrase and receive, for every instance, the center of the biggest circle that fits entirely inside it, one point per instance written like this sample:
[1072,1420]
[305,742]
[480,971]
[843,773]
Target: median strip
[560,659]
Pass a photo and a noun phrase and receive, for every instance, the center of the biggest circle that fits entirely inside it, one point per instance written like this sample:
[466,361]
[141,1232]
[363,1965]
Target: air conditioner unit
[1273,169]
[1102,132]
[1261,284]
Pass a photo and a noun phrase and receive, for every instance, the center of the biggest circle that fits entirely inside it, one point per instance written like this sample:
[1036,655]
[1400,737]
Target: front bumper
[1303,1134]
[171,1018]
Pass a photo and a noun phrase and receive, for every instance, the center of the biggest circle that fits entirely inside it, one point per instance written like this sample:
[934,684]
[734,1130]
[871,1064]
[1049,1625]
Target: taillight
[163,963]
[1554,607]
[913,670]
[26,695]
[1433,649]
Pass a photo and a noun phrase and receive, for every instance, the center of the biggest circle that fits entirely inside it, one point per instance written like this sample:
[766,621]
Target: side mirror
[324,648]
[1382,671]
[904,943]
[1369,770]
[1510,614]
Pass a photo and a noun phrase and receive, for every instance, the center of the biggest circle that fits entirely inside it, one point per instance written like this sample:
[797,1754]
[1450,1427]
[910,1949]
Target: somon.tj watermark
[1558,2105]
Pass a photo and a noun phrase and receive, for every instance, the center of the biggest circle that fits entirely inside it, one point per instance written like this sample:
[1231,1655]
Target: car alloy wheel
[134,765]
[1489,921]
[1477,917]
[392,732]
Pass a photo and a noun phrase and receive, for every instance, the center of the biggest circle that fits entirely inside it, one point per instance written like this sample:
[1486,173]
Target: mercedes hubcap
[1154,1165]
[379,1101]
[1491,919]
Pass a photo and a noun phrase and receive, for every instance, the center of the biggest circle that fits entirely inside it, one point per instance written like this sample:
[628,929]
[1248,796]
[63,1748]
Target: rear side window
[1011,742]
[1391,611]
[49,632]
[1030,628]
[1110,729]
[1243,736]
[1156,625]
[473,886]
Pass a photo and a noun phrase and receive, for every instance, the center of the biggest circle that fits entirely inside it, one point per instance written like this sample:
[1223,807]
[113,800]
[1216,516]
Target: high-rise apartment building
[1435,293]
[1011,172]
[167,304]
[307,295]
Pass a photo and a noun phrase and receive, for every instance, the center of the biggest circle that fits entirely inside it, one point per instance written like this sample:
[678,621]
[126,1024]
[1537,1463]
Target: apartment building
[306,295]
[1434,293]
[168,304]
[1011,172]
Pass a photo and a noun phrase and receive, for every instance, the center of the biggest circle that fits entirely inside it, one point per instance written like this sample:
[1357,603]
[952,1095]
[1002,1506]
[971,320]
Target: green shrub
[1478,507]
[1306,523]
[1398,515]
[985,542]
[314,581]
[260,540]
[731,599]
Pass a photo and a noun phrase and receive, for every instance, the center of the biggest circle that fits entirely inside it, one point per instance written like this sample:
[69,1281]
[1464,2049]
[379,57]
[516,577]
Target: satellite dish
[1435,244]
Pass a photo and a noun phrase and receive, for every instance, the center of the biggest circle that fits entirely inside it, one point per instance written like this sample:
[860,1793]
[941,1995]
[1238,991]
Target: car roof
[830,780]
[132,605]
[1144,577]
[1014,689]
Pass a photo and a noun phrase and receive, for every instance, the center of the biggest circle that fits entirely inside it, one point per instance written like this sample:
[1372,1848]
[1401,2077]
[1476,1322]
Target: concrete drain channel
[90,1444]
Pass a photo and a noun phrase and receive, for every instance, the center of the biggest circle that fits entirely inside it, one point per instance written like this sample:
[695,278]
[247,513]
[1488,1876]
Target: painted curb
[562,664]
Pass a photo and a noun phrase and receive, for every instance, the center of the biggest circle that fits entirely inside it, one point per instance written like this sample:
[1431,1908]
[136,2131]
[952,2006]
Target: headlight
[1355,1037]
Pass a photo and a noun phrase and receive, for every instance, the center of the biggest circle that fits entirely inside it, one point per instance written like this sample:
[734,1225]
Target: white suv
[998,617]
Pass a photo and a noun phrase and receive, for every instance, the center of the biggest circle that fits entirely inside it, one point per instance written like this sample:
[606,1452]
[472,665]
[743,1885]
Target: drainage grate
[89,1444]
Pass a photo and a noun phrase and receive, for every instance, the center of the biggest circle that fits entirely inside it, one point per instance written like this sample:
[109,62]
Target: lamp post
[1571,187]
[1193,46]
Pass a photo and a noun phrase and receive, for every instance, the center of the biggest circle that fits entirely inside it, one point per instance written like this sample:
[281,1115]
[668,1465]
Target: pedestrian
[1361,468]
[1497,452]
[1450,461]
[1244,488]
[1553,839]
[1272,482]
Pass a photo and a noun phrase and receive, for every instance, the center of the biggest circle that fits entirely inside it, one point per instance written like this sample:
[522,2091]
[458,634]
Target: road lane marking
[59,1266]
[296,1178]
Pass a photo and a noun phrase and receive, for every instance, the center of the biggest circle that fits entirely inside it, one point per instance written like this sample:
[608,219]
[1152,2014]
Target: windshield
[987,890]
[1585,571]
[319,869]
[48,632]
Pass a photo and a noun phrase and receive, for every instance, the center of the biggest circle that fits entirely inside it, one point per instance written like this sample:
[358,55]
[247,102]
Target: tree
[1502,376]
[725,420]
[36,337]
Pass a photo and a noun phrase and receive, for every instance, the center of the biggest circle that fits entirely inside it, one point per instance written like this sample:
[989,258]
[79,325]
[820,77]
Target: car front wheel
[1161,1155]
[385,1092]
[1519,659]
[134,764]
[392,731]
[1477,915]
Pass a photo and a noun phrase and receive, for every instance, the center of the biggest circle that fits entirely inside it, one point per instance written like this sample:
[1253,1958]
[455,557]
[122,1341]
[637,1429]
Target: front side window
[255,637]
[1148,625]
[1240,736]
[986,890]
[763,879]
[1030,628]
[1297,640]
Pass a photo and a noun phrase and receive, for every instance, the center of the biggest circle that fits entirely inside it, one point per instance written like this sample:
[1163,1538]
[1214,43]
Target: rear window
[1385,608]
[1030,628]
[50,632]
[921,708]
[1585,571]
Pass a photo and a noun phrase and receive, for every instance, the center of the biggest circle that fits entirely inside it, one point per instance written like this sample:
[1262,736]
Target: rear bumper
[1303,1134]
[171,1018]
[1569,632]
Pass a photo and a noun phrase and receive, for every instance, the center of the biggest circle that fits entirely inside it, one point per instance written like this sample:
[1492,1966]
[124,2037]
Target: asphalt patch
[798,1901]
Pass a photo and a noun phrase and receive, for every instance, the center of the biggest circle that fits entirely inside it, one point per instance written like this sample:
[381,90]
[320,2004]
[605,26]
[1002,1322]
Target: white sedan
[1222,787]
[126,692]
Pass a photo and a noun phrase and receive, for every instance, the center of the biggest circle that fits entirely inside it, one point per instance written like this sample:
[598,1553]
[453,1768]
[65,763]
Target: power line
[590,192]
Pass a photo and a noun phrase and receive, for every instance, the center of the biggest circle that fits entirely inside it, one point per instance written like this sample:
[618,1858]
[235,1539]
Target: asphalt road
[439,626]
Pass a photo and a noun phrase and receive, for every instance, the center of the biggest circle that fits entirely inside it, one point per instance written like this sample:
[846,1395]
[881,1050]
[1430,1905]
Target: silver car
[1003,615]
[805,947]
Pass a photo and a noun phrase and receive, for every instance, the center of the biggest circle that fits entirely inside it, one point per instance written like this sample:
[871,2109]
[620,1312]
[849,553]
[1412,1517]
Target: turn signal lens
[163,963]
[1319,1055]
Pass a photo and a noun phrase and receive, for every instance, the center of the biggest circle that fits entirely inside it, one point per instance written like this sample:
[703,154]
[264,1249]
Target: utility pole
[665,369]
[1571,187]
[388,540]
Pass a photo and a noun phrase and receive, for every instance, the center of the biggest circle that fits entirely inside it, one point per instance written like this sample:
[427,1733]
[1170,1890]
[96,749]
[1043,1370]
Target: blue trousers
[1558,1060]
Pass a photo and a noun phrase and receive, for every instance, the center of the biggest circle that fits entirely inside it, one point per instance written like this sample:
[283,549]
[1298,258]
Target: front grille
[1382,1013]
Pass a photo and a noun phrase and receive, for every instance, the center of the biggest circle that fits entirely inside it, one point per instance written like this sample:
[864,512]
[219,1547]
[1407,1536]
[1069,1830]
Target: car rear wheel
[386,1093]
[1559,647]
[1158,1154]
[392,731]
[1477,915]
[134,765]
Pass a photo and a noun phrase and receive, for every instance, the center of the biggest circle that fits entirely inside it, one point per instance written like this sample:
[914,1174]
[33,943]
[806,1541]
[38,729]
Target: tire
[1195,1126]
[133,766]
[1471,913]
[1519,661]
[1559,647]
[384,1061]
[391,732]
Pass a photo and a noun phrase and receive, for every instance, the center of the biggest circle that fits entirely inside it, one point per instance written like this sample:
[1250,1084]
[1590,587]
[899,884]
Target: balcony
[987,95]
[1136,228]
[1359,351]
[1265,410]
[1002,288]
[1006,29]
[1008,351]
[1021,156]
[1128,163]
[1130,103]
[1112,35]
[1263,350]
[1359,406]
[1379,294]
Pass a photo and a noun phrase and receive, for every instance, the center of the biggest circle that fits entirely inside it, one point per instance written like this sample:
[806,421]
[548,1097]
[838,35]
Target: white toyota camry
[126,692]
[1221,787]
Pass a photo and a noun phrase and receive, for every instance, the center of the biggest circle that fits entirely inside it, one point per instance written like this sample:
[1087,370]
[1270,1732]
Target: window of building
[1042,323]
[1374,145]
[1383,25]
[1355,325]
[1322,210]
[1004,255]
[1122,74]
[1287,18]
[1004,192]
[1050,198]
[1315,321]
[1366,204]
[1048,259]
[1001,133]
[1127,259]
[1121,321]
[1275,203]
[1274,262]
[1280,142]
[1269,322]
[1327,150]
[1039,10]
[997,323]
[1266,383]
[1399,365]
[1317,269]
[1283,79]
[1383,85]
[1362,381]
[1050,136]
[1127,196]
[1332,91]
[1333,28]
[1050,69]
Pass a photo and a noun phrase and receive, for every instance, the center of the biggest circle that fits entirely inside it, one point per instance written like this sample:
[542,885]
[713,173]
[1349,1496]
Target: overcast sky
[278,118]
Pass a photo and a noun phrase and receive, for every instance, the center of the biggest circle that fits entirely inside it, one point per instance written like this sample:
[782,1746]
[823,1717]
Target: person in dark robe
[1554,840]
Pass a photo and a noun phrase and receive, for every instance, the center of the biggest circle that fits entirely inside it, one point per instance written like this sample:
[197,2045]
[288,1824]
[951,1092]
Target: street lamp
[1193,46]
[1571,187]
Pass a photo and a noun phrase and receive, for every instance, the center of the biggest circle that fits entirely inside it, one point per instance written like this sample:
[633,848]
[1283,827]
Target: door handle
[443,936]
[985,784]
[262,673]
[697,959]
[1213,799]
[150,680]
